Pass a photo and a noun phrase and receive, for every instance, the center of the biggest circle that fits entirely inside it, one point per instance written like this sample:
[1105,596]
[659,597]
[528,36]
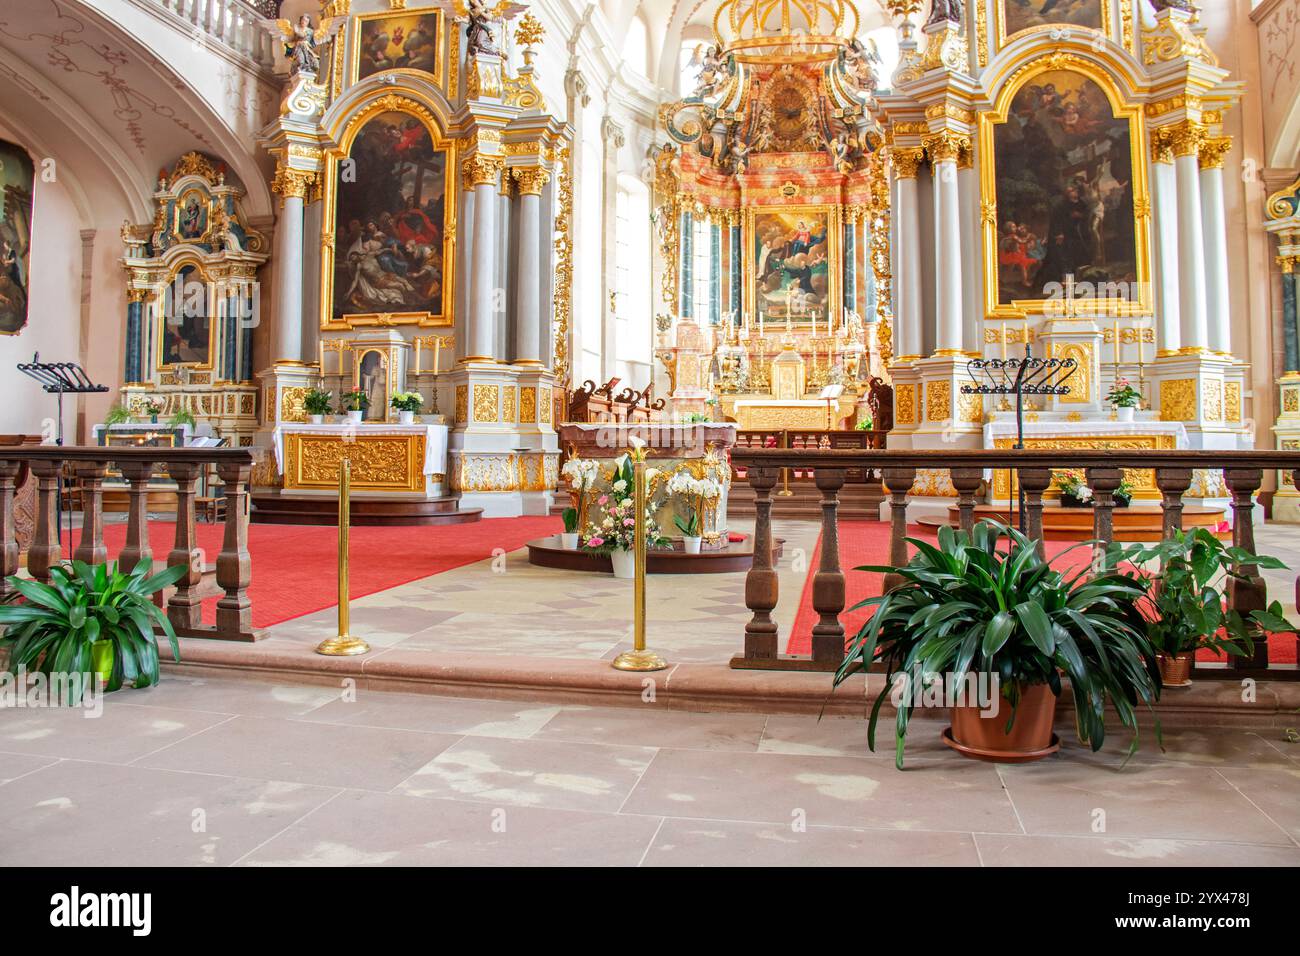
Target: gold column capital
[289,181]
[481,170]
[530,179]
[1213,149]
[907,161]
[1287,264]
[946,146]
[1185,138]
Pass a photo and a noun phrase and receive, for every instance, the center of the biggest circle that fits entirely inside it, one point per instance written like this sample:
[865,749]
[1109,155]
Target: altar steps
[1136,523]
[805,501]
[281,508]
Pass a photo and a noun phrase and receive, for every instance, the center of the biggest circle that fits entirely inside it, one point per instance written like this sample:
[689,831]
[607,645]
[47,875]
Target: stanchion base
[785,494]
[639,661]
[342,646]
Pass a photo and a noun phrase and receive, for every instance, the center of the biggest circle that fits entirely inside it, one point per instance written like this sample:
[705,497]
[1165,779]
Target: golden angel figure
[301,40]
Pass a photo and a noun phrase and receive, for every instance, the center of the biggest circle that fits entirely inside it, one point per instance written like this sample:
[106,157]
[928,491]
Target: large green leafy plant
[1186,609]
[52,631]
[974,606]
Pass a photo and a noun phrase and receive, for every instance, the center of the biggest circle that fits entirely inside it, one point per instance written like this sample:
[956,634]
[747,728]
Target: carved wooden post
[1173,484]
[761,581]
[91,547]
[45,550]
[828,582]
[234,564]
[1249,594]
[967,481]
[8,525]
[136,550]
[185,605]
[1103,482]
[899,482]
[1034,481]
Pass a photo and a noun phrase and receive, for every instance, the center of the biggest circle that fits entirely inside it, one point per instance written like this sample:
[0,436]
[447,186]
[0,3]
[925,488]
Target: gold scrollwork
[487,401]
[1178,400]
[938,401]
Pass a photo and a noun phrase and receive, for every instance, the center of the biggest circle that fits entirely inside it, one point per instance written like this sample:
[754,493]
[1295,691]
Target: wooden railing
[1243,473]
[791,439]
[138,466]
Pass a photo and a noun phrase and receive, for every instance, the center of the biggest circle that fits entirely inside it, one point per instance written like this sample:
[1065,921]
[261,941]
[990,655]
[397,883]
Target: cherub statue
[739,152]
[711,73]
[301,40]
[478,35]
[838,148]
[860,62]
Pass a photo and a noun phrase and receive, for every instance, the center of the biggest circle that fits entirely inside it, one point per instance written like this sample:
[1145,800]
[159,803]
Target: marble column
[1164,190]
[482,174]
[907,296]
[528,307]
[1185,140]
[291,185]
[1290,329]
[1214,224]
[134,328]
[944,151]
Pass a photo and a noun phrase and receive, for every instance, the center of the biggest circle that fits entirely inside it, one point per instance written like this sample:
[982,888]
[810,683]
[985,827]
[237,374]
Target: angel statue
[709,60]
[302,39]
[478,35]
[945,10]
[860,61]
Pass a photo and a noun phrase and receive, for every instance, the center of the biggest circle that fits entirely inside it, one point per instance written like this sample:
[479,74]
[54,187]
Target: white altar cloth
[1085,429]
[435,438]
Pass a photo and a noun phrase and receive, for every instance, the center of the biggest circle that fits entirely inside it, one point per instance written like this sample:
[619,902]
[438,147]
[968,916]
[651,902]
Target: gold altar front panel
[776,416]
[1143,480]
[379,462]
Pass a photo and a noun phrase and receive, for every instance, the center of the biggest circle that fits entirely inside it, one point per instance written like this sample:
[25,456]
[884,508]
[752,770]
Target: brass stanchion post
[639,659]
[344,645]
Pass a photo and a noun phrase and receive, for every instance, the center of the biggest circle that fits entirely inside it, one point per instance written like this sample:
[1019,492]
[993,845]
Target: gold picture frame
[439,72]
[160,316]
[834,214]
[1003,39]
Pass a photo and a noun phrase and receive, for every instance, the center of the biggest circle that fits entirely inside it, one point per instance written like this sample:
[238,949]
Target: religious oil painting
[402,42]
[389,218]
[192,214]
[1018,15]
[791,251]
[186,325]
[372,378]
[1065,192]
[16,178]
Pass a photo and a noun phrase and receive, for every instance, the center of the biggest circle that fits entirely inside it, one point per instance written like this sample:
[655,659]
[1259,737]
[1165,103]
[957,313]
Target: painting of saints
[390,221]
[791,265]
[192,215]
[1064,181]
[1020,15]
[408,42]
[16,178]
[374,382]
[186,324]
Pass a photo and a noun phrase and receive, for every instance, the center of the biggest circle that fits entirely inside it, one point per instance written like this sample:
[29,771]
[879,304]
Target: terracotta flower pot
[1175,669]
[985,737]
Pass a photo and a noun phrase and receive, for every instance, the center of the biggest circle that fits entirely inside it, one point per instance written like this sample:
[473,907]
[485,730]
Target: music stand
[1020,377]
[59,379]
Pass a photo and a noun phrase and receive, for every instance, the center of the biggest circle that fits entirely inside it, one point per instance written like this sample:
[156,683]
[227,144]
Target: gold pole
[344,645]
[639,659]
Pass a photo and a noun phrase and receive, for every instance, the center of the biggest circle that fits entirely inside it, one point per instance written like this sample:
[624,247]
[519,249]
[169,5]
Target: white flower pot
[355,416]
[1124,414]
[405,417]
[569,540]
[316,419]
[692,545]
[624,563]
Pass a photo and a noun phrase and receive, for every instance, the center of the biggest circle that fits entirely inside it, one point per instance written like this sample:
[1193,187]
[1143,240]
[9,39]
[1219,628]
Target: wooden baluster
[45,551]
[828,582]
[1103,482]
[967,481]
[899,482]
[1249,594]
[234,564]
[1035,481]
[91,547]
[136,550]
[185,605]
[1173,484]
[8,525]
[761,581]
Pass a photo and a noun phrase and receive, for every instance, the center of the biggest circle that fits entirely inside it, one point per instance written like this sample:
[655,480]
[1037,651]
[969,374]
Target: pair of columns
[1191,239]
[948,152]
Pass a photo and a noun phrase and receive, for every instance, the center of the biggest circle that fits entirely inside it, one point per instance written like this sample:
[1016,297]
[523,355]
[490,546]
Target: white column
[1213,220]
[528,306]
[948,277]
[287,341]
[614,139]
[482,326]
[1191,244]
[1165,226]
[907,297]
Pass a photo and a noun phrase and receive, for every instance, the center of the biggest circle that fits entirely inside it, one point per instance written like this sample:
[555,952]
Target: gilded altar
[386,459]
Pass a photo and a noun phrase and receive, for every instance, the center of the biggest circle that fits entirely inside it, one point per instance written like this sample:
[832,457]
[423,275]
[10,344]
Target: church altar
[387,459]
[770,413]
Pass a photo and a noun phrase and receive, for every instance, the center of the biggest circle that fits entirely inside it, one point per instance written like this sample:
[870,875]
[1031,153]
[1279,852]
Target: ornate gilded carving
[291,398]
[462,403]
[482,170]
[562,299]
[1232,402]
[1213,149]
[379,462]
[970,408]
[938,401]
[1212,400]
[527,405]
[905,404]
[292,182]
[509,404]
[1172,38]
[544,407]
[530,179]
[487,401]
[1178,400]
[907,161]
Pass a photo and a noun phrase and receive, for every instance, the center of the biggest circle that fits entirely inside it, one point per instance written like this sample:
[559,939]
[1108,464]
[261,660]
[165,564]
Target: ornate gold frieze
[1143,480]
[938,401]
[509,404]
[462,403]
[1212,400]
[487,401]
[544,407]
[527,405]
[1232,402]
[562,298]
[1178,400]
[905,404]
[291,399]
[379,462]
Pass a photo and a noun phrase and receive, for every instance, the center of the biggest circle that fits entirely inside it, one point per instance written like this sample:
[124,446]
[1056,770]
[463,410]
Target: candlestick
[417,355]
[1116,330]
[1004,341]
[321,345]
[437,351]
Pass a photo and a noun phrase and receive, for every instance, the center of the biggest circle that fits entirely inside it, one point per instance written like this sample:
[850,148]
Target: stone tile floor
[232,771]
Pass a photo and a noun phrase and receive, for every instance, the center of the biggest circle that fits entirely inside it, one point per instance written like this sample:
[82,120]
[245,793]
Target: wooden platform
[1136,523]
[288,508]
[736,556]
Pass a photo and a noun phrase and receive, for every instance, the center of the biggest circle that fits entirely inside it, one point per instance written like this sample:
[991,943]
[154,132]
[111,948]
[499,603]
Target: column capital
[481,170]
[907,160]
[1185,138]
[611,131]
[292,182]
[1213,149]
[530,179]
[946,146]
[1287,264]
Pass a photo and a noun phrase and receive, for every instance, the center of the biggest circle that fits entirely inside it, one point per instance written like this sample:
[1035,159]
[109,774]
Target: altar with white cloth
[387,459]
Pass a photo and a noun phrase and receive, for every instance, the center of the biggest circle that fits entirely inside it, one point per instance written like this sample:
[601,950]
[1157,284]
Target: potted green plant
[984,609]
[569,538]
[1124,494]
[1186,608]
[864,424]
[90,620]
[355,404]
[153,410]
[1075,492]
[316,403]
[407,404]
[1125,399]
[182,418]
[119,414]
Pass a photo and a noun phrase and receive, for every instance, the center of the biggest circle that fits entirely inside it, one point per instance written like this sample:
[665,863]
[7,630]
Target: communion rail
[138,466]
[1243,473]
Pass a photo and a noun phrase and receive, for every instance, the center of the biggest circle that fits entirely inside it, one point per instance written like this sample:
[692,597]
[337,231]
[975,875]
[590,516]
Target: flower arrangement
[153,408]
[581,473]
[1075,492]
[1124,494]
[407,401]
[355,400]
[616,530]
[1123,394]
[698,494]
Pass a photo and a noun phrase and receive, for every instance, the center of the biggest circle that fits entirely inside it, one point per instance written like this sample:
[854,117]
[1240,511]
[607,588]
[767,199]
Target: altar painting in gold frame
[387,239]
[793,265]
[1018,17]
[396,42]
[187,319]
[1066,194]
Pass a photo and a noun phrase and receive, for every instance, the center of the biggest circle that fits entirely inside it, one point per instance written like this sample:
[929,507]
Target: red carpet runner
[867,542]
[295,567]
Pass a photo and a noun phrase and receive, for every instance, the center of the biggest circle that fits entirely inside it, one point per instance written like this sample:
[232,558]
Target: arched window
[632,269]
[635,45]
